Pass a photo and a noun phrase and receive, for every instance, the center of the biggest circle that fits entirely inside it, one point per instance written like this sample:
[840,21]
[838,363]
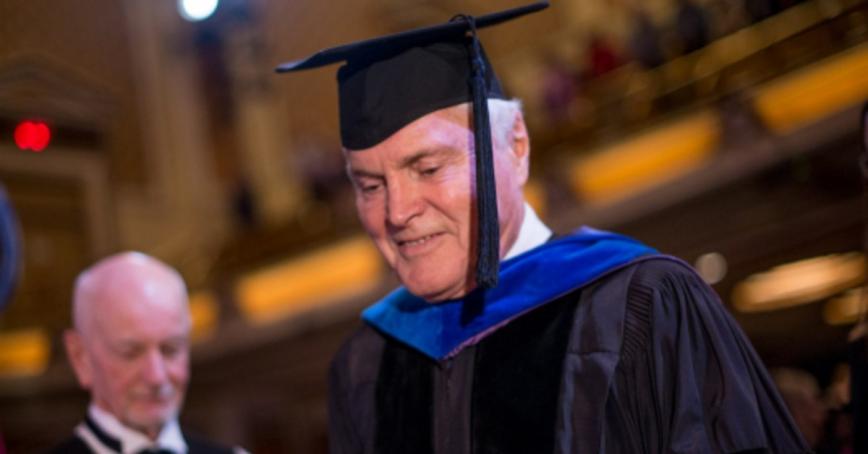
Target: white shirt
[131,440]
[532,233]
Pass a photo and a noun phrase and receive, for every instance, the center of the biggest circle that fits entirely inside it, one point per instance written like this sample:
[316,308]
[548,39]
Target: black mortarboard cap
[390,81]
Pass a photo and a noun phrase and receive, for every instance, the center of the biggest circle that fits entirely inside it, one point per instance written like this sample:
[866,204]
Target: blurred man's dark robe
[643,358]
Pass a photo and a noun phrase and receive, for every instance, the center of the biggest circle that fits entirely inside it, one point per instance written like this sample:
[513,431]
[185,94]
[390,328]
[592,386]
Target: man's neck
[533,233]
[106,417]
[168,434]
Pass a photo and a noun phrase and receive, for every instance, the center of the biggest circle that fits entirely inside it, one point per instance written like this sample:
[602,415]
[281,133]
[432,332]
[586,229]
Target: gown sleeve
[342,437]
[688,380]
[351,381]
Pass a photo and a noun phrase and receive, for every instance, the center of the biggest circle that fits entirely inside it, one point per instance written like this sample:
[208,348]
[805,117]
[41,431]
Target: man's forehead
[136,317]
[122,339]
[135,291]
[140,306]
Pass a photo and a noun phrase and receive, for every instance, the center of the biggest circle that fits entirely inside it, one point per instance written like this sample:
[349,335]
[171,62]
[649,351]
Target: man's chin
[438,294]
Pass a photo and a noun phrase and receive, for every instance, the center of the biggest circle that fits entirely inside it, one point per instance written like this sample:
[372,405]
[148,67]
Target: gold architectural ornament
[821,89]
[205,314]
[332,274]
[647,160]
[800,282]
[24,352]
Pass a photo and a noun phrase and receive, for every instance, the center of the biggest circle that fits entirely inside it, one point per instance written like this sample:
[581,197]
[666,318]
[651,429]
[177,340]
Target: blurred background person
[644,40]
[129,347]
[691,25]
[801,393]
[839,431]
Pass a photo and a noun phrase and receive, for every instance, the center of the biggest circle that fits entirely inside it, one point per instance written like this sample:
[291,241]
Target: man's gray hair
[502,114]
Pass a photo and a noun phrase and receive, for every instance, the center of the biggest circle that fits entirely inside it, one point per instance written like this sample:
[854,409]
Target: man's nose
[154,367]
[404,202]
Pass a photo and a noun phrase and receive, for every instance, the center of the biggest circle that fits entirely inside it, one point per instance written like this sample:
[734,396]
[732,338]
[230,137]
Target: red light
[32,135]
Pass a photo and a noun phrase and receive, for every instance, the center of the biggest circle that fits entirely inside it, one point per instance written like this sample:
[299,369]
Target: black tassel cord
[488,232]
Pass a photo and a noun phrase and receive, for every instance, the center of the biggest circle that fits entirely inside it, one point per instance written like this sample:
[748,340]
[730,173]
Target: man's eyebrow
[414,158]
[175,338]
[362,173]
[405,162]
[125,344]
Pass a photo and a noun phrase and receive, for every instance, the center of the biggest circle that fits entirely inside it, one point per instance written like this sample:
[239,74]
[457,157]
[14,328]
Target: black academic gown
[643,360]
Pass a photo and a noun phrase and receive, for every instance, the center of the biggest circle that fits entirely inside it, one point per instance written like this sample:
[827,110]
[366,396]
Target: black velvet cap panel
[380,97]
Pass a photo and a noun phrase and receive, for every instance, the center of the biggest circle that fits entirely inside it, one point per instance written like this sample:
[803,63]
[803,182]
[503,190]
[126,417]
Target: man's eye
[370,187]
[170,350]
[129,353]
[428,171]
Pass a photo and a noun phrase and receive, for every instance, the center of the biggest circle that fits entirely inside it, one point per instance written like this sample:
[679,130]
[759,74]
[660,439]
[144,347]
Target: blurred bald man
[129,348]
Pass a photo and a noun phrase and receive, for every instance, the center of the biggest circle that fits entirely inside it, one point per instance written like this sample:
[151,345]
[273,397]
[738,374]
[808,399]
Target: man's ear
[78,357]
[521,146]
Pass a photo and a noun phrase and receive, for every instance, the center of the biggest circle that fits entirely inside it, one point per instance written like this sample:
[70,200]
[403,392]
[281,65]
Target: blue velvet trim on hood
[441,330]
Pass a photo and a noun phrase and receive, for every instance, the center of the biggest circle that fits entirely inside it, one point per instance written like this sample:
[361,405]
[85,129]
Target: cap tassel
[488,231]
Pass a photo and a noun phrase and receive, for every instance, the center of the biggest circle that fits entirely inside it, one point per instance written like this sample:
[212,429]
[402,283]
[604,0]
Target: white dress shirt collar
[131,440]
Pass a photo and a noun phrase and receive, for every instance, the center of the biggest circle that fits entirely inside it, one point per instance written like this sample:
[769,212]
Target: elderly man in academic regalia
[505,338]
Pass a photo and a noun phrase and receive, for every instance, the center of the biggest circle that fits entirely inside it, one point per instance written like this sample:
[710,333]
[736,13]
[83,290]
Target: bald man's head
[129,346]
[125,278]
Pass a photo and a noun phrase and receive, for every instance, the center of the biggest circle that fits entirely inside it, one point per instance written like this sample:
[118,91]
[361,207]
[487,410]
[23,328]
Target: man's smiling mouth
[417,241]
